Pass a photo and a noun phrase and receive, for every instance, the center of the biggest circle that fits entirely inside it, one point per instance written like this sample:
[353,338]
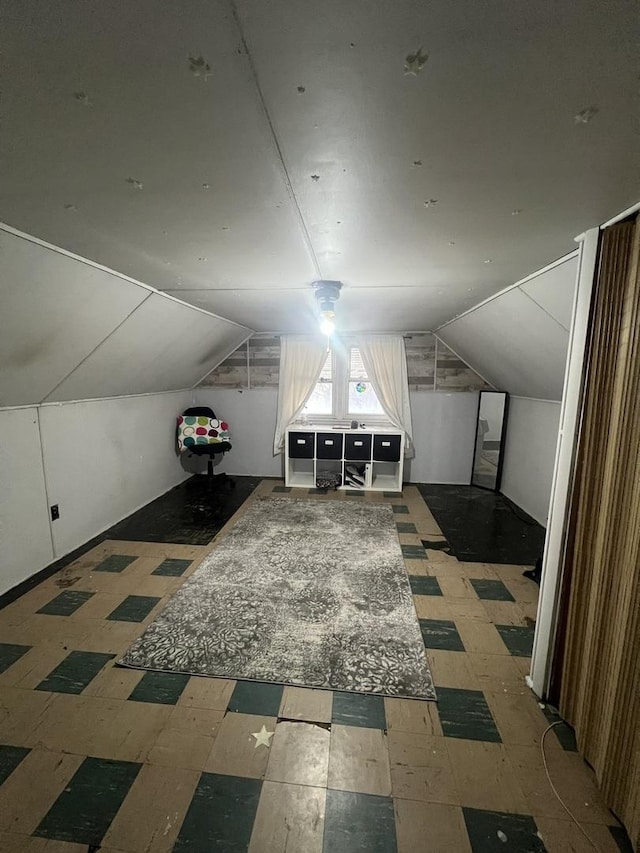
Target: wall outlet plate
[55,512]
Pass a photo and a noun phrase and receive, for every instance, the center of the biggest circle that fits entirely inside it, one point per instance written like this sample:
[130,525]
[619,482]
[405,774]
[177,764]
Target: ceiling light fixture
[327,294]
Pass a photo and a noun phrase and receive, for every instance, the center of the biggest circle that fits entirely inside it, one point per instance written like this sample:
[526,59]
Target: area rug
[301,591]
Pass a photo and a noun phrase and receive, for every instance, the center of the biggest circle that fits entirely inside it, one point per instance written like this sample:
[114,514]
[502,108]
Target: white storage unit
[377,453]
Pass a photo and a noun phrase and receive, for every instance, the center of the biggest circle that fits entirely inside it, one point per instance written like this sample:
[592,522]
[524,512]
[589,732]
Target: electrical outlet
[55,512]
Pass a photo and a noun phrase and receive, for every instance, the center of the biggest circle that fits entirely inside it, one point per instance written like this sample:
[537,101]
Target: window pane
[356,368]
[363,399]
[321,401]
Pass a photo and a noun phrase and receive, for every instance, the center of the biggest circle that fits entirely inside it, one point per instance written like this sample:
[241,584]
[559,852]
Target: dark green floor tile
[256,697]
[66,603]
[358,709]
[518,639]
[400,509]
[172,568]
[358,823]
[220,816]
[465,714]
[358,493]
[413,552]
[161,688]
[281,489]
[84,810]
[441,634]
[75,672]
[392,494]
[490,590]
[10,653]
[423,585]
[565,734]
[135,608]
[114,563]
[406,527]
[619,835]
[10,757]
[490,832]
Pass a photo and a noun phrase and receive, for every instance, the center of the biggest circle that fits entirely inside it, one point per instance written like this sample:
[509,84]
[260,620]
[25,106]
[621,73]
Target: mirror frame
[503,435]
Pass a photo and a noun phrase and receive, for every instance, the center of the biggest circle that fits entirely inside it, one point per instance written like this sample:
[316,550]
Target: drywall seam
[536,399]
[227,354]
[99,344]
[535,302]
[559,262]
[44,480]
[60,251]
[484,378]
[278,150]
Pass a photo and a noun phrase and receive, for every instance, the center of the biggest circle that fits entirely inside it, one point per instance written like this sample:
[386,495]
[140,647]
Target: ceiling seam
[97,346]
[535,302]
[287,180]
[464,361]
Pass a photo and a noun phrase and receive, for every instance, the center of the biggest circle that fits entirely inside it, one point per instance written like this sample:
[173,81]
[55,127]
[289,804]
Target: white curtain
[385,361]
[301,361]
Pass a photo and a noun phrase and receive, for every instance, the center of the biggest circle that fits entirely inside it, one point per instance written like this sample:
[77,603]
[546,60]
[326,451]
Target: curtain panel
[385,360]
[597,658]
[301,361]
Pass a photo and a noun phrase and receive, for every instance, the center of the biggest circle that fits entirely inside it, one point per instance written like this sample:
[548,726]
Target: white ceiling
[490,117]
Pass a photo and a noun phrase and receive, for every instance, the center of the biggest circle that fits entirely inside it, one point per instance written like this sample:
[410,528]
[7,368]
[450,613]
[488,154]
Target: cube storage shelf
[320,448]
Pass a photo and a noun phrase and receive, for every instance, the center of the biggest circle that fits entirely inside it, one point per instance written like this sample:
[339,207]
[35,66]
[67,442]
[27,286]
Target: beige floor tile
[528,767]
[484,776]
[523,664]
[518,717]
[152,813]
[575,782]
[431,607]
[22,713]
[99,606]
[417,567]
[11,843]
[451,669]
[467,608]
[505,613]
[436,556]
[522,589]
[421,769]
[359,760]
[104,728]
[33,787]
[412,715]
[483,571]
[440,569]
[300,703]
[563,836]
[235,752]
[498,673]
[299,754]
[114,682]
[290,819]
[457,587]
[212,693]
[188,739]
[33,667]
[480,637]
[430,828]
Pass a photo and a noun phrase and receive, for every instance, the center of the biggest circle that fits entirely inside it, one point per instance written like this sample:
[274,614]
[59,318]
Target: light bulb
[327,326]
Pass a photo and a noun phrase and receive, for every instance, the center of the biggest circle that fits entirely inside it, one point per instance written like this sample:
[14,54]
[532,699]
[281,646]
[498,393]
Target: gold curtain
[599,664]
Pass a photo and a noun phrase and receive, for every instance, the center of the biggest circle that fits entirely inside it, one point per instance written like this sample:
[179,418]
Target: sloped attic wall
[71,330]
[518,341]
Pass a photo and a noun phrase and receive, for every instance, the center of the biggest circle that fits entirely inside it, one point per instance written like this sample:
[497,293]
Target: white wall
[532,434]
[103,459]
[25,538]
[443,427]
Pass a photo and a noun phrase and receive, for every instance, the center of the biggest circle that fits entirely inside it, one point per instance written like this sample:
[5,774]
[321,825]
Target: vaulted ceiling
[231,153]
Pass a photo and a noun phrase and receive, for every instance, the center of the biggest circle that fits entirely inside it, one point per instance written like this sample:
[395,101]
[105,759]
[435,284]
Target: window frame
[340,370]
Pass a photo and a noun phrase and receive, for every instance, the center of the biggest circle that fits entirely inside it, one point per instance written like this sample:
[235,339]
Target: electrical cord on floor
[553,787]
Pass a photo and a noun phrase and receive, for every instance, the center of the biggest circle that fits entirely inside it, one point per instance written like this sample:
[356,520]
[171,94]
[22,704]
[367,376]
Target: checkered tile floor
[95,755]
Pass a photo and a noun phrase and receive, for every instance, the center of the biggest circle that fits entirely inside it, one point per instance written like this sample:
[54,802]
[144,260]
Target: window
[362,398]
[344,390]
[321,400]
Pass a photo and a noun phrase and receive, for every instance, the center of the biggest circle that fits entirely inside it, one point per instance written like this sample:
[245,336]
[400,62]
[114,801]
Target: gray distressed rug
[305,592]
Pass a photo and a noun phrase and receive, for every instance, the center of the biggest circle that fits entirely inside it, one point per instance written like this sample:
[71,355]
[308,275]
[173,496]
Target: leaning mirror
[490,439]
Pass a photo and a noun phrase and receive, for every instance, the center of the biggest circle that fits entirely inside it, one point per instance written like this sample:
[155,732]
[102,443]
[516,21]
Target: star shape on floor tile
[262,737]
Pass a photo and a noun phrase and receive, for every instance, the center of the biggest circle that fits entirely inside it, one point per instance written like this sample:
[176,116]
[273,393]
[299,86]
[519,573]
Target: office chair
[200,433]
